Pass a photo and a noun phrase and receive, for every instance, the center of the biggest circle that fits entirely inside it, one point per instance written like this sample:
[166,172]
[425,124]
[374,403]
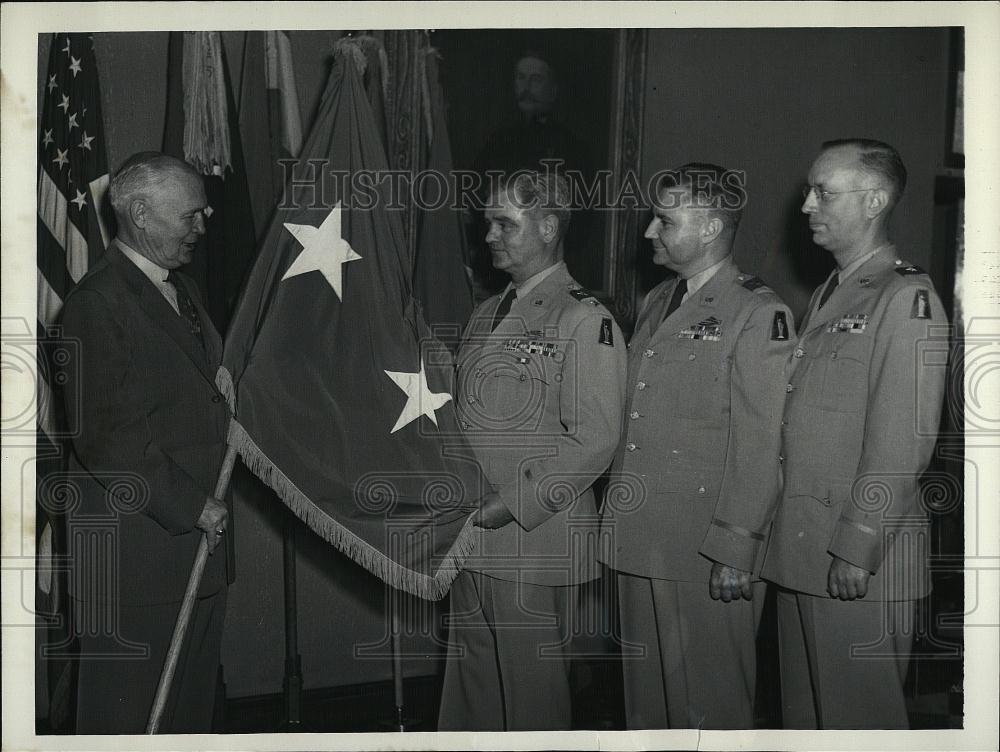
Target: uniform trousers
[120,668]
[843,663]
[508,656]
[699,661]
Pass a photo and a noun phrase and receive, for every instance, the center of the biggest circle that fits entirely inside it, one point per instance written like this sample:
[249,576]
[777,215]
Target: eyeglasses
[823,195]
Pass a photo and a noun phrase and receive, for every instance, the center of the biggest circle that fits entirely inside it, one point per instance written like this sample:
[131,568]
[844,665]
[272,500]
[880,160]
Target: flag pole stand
[187,605]
[397,661]
[292,684]
[399,721]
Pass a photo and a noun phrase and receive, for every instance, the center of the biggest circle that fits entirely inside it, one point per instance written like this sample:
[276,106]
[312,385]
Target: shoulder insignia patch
[779,327]
[905,271]
[752,283]
[607,332]
[584,295]
[921,305]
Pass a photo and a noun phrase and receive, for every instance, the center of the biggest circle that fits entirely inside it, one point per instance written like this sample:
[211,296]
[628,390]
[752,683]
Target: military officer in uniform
[541,382]
[848,545]
[699,455]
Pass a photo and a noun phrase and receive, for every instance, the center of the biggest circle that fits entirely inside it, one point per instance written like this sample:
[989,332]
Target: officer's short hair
[543,192]
[710,187]
[880,160]
[141,174]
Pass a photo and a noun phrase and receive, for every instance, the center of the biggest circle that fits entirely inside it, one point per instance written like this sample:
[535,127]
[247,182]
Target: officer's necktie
[828,290]
[504,308]
[675,300]
[186,307]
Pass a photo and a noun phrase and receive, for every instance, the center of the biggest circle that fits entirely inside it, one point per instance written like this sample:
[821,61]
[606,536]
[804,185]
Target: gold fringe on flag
[358,550]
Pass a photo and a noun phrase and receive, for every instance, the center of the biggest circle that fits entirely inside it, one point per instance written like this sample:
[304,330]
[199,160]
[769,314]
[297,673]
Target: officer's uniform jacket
[861,419]
[540,401]
[695,479]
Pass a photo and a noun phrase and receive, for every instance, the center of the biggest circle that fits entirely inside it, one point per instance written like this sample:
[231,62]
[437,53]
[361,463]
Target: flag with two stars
[342,399]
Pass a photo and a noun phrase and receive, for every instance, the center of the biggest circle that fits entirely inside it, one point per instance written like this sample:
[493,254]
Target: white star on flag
[47,139]
[61,158]
[72,122]
[420,400]
[52,83]
[324,250]
[85,141]
[74,65]
[64,103]
[66,48]
[80,200]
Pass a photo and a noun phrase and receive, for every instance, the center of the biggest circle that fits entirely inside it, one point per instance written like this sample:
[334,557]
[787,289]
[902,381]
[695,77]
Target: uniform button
[522,377]
[781,459]
[649,353]
[630,447]
[641,385]
[784,422]
[216,398]
[479,372]
[628,346]
[466,425]
[701,489]
[833,355]
[691,356]
[471,400]
[799,352]
[789,388]
[634,414]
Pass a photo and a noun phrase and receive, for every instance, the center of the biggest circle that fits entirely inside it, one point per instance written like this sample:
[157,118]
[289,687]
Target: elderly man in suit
[848,545]
[699,452]
[152,435]
[540,394]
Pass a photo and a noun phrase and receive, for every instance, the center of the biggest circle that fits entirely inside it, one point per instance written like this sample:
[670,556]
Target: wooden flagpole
[187,605]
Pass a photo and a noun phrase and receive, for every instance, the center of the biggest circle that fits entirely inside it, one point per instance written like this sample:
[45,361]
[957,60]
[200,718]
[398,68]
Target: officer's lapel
[852,296]
[536,305]
[699,305]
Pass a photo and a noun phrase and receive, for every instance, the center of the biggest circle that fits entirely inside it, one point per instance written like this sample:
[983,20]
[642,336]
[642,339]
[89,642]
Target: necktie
[186,307]
[504,308]
[828,290]
[675,299]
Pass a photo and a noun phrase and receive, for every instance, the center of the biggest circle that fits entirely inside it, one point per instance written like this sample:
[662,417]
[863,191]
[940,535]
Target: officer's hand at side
[729,583]
[212,520]
[492,512]
[846,581]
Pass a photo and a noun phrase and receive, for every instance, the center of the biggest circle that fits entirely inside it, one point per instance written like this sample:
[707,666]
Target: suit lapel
[159,311]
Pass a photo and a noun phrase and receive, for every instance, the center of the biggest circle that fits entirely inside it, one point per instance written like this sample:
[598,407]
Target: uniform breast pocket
[520,387]
[700,378]
[845,373]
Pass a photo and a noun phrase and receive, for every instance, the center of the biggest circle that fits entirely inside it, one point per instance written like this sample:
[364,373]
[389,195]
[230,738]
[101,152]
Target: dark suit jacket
[151,437]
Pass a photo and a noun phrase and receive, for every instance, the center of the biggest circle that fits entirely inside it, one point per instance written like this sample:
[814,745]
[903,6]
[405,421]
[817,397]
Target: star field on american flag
[72,181]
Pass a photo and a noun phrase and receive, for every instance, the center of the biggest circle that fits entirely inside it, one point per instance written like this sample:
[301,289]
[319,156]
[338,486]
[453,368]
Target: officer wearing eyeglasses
[848,542]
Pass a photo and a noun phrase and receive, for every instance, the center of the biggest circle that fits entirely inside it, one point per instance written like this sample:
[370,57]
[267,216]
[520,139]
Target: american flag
[72,181]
